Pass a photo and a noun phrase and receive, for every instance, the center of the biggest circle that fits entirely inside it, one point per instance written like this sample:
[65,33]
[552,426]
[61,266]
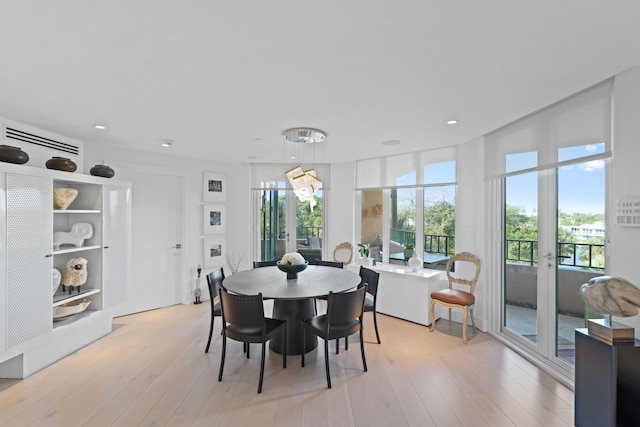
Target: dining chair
[214,282]
[326,264]
[371,278]
[458,298]
[258,264]
[243,320]
[343,319]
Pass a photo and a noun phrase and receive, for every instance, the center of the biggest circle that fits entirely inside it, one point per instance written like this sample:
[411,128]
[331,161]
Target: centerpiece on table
[292,263]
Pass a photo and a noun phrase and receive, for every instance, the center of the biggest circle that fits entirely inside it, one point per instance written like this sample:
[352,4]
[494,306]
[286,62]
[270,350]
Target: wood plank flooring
[152,371]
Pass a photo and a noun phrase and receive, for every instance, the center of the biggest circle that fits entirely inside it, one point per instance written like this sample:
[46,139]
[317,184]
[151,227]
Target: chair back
[344,307]
[343,253]
[466,257]
[245,311]
[371,278]
[330,263]
[214,281]
[258,264]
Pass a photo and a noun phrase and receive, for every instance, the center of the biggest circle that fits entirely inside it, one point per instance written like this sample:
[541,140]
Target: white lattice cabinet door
[29,263]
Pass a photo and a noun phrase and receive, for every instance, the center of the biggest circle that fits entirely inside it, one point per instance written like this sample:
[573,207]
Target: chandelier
[304,183]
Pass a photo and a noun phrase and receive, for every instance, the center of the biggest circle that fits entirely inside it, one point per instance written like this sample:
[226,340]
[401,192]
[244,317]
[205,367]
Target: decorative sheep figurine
[75,274]
[79,232]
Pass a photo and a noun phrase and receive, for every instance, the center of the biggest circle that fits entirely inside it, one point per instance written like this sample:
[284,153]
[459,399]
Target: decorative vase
[9,154]
[63,197]
[292,270]
[102,170]
[61,164]
[57,277]
[415,262]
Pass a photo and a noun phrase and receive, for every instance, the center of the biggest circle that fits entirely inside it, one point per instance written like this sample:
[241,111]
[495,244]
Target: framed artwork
[214,187]
[215,219]
[215,252]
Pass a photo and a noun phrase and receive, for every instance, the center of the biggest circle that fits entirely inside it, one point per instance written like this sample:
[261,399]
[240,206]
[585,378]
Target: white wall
[622,248]
[191,170]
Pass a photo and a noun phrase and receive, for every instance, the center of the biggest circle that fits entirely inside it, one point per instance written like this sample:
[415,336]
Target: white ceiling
[223,79]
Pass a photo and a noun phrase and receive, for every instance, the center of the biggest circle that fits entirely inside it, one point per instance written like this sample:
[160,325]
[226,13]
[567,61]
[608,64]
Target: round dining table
[293,298]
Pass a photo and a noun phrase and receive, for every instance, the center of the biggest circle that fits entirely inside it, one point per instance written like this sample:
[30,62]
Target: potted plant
[363,251]
[408,250]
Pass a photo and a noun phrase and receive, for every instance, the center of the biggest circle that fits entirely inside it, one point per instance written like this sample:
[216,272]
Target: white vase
[415,262]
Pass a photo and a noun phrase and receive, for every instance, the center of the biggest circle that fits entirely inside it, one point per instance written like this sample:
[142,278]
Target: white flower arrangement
[292,258]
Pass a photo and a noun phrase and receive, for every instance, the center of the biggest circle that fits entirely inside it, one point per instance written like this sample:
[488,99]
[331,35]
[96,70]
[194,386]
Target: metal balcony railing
[582,255]
[434,243]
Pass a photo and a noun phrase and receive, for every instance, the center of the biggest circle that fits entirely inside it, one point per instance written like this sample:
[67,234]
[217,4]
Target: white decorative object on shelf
[76,237]
[628,211]
[57,277]
[69,309]
[415,262]
[75,275]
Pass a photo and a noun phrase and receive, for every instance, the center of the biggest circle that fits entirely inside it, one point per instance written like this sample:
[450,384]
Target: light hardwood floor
[152,370]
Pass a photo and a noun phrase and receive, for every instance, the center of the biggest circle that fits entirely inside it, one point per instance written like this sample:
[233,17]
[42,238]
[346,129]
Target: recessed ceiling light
[101,127]
[452,122]
[391,142]
[293,157]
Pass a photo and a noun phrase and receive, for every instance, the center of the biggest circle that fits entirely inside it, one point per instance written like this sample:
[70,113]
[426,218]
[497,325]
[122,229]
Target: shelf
[76,211]
[73,318]
[71,250]
[62,297]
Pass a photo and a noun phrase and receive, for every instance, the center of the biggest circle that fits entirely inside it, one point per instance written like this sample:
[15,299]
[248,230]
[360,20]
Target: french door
[285,224]
[553,237]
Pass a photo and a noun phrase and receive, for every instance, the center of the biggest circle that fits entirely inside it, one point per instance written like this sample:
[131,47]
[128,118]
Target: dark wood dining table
[293,298]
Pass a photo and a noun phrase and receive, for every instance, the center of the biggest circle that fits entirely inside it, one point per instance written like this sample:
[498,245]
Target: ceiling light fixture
[304,183]
[304,135]
[167,143]
[452,122]
[101,127]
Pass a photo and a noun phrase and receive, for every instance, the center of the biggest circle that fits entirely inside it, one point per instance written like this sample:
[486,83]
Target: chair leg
[464,325]
[433,317]
[375,325]
[210,333]
[248,346]
[473,322]
[264,345]
[224,350]
[284,346]
[364,361]
[326,362]
[449,315]
[337,345]
[303,344]
[346,343]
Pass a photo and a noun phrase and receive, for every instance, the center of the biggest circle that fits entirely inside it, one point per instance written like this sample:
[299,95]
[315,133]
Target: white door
[156,256]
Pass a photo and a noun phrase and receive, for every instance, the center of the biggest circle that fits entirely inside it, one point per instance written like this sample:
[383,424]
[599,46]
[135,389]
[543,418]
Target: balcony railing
[582,255]
[434,243]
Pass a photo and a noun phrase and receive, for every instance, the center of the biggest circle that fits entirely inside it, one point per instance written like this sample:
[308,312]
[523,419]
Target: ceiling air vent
[41,141]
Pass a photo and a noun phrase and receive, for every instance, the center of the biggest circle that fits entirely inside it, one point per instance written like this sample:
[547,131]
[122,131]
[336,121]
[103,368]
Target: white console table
[405,294]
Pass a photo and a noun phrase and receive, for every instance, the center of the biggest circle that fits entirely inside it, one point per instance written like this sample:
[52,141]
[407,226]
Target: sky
[581,186]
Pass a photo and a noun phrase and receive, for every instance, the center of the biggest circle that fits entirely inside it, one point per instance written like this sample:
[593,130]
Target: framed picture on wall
[215,252]
[215,218]
[214,187]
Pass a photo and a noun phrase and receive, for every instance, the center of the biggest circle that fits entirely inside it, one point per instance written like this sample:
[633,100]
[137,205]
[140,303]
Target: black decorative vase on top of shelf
[61,164]
[102,170]
[9,154]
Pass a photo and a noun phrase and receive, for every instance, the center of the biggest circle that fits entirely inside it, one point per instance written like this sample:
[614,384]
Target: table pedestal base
[293,311]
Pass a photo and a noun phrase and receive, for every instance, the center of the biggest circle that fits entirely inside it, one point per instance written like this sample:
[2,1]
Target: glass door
[554,232]
[288,225]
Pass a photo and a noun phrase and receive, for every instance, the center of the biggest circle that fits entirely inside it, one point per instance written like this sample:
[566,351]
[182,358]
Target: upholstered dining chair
[258,264]
[455,297]
[343,319]
[343,253]
[243,320]
[214,282]
[371,278]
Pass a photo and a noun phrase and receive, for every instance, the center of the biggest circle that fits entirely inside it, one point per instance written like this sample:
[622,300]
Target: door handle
[177,246]
[548,256]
